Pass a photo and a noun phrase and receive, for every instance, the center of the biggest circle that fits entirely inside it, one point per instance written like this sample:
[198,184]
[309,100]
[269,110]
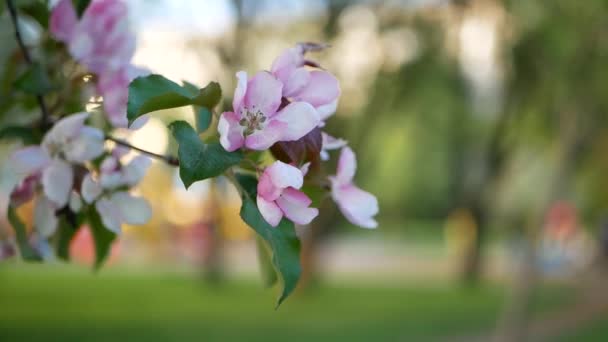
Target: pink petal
[270,211]
[358,206]
[294,205]
[133,210]
[45,220]
[63,20]
[24,192]
[263,139]
[241,90]
[330,143]
[231,132]
[284,175]
[300,117]
[298,79]
[109,214]
[327,110]
[287,62]
[267,189]
[323,88]
[347,166]
[263,93]
[57,181]
[28,160]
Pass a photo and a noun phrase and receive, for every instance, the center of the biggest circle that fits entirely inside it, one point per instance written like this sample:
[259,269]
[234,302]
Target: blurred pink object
[358,206]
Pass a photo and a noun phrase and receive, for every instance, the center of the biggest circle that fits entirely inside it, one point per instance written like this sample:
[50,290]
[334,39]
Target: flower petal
[287,62]
[267,189]
[322,88]
[87,145]
[28,160]
[300,117]
[358,206]
[240,91]
[136,170]
[298,79]
[263,93]
[327,110]
[347,166]
[90,189]
[133,210]
[263,139]
[63,20]
[109,214]
[75,203]
[294,205]
[45,220]
[284,175]
[57,181]
[65,129]
[231,132]
[270,211]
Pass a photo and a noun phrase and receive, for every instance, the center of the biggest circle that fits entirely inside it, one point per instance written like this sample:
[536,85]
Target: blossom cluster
[102,41]
[285,104]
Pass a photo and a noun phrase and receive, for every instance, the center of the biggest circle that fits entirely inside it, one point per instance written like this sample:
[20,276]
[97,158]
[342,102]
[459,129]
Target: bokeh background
[481,126]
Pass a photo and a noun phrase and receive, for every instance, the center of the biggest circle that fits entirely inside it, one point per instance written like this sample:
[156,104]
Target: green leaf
[269,275]
[282,239]
[34,81]
[65,233]
[27,252]
[197,160]
[80,6]
[102,237]
[155,92]
[203,119]
[25,134]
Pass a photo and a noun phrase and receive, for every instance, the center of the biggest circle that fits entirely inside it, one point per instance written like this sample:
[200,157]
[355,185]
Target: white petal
[284,175]
[87,145]
[347,166]
[90,189]
[45,220]
[300,117]
[270,211]
[136,170]
[75,202]
[57,181]
[28,160]
[133,210]
[110,215]
[64,130]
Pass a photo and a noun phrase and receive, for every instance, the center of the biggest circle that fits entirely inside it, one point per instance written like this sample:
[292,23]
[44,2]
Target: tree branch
[39,98]
[167,159]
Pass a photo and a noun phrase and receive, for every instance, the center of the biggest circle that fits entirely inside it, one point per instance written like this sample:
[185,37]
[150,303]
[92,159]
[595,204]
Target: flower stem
[39,98]
[167,159]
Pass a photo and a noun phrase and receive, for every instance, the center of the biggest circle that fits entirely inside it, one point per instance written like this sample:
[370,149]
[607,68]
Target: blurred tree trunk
[212,261]
[571,141]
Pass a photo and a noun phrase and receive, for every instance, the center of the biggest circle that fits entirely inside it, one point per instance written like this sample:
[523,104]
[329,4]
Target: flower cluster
[103,42]
[287,104]
[61,173]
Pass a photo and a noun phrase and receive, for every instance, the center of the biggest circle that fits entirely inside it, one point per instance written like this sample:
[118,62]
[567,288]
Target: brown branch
[167,159]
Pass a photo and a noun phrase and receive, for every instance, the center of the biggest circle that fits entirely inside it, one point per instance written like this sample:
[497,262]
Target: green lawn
[51,303]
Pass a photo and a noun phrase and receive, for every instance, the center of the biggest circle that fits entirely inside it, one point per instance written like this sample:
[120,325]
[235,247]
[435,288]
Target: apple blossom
[278,195]
[330,143]
[114,205]
[317,87]
[358,206]
[257,121]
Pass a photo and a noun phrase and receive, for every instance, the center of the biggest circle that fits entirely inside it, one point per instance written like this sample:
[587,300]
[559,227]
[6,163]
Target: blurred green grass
[56,303]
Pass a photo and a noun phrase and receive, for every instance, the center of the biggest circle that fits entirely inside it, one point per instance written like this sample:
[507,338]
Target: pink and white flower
[278,195]
[257,122]
[69,142]
[317,87]
[114,88]
[115,206]
[358,206]
[102,40]
[330,143]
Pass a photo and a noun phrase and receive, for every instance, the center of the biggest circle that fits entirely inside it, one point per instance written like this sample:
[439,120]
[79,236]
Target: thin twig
[167,159]
[39,98]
